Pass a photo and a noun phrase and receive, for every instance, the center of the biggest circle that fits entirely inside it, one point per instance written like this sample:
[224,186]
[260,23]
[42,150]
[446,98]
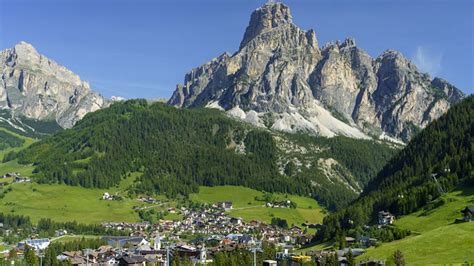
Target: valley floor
[247,207]
[66,203]
[85,205]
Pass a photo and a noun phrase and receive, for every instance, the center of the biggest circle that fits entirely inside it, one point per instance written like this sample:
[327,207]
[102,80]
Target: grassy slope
[446,244]
[248,208]
[67,203]
[436,238]
[13,166]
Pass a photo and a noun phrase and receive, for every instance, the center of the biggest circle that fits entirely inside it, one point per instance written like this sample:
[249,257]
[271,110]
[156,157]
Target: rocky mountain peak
[36,87]
[25,48]
[265,18]
[281,79]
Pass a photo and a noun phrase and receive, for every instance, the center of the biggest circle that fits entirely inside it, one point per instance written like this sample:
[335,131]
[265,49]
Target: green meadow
[66,203]
[436,237]
[451,244]
[14,166]
[69,203]
[246,207]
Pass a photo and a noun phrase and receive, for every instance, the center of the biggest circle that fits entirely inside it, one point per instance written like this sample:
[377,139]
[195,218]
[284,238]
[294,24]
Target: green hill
[440,212]
[450,244]
[436,235]
[406,184]
[12,144]
[179,150]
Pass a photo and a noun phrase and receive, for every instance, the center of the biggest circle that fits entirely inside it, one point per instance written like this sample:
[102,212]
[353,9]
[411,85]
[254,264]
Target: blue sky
[143,48]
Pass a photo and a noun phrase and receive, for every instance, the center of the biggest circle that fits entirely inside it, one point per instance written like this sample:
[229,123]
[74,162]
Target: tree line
[439,159]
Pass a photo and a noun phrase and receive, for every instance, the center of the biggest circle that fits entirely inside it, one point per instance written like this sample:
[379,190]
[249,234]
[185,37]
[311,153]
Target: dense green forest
[444,149]
[8,140]
[177,150]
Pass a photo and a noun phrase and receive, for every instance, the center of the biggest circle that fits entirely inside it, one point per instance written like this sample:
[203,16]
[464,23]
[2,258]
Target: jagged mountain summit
[281,79]
[35,87]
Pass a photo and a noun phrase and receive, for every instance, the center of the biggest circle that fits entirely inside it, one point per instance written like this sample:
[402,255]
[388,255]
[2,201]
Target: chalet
[246,240]
[310,225]
[386,218]
[11,175]
[366,241]
[468,213]
[350,241]
[21,179]
[237,220]
[285,238]
[60,232]
[132,260]
[110,261]
[106,196]
[225,205]
[296,230]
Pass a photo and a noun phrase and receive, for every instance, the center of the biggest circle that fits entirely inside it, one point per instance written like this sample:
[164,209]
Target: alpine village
[284,152]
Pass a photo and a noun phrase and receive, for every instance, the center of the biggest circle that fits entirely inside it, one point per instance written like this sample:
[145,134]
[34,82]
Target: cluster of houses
[17,177]
[136,228]
[120,251]
[385,218]
[108,196]
[212,221]
[280,204]
[133,250]
[148,200]
[218,231]
[224,205]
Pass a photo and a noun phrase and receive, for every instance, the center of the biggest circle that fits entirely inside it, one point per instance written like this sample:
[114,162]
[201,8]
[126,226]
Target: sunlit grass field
[246,207]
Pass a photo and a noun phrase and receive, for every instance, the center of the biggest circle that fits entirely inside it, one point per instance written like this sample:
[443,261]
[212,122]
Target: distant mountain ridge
[37,88]
[280,78]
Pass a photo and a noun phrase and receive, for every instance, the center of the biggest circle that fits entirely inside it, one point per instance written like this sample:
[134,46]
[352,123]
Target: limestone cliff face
[280,78]
[36,87]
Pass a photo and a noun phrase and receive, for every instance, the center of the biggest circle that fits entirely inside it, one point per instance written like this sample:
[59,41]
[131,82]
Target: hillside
[12,143]
[63,203]
[432,226]
[179,150]
[246,205]
[444,150]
